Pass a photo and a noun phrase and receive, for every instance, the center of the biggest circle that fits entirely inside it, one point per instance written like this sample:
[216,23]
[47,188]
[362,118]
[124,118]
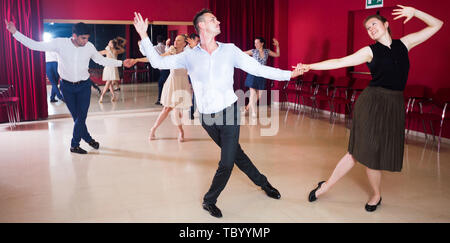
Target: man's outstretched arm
[32,44]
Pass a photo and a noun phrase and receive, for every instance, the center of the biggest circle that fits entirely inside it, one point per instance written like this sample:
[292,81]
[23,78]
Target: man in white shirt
[211,66]
[51,69]
[73,64]
[163,73]
[193,40]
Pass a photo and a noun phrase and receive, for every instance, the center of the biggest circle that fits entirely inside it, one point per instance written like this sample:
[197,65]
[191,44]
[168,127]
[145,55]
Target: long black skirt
[378,129]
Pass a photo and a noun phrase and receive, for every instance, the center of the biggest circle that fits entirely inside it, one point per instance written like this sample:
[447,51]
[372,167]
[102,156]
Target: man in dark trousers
[211,66]
[74,55]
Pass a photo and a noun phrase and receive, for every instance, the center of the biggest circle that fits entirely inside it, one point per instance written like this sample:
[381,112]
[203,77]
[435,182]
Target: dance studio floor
[132,179]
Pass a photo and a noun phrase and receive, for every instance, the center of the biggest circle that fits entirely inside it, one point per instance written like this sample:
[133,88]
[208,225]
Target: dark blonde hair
[380,18]
[119,43]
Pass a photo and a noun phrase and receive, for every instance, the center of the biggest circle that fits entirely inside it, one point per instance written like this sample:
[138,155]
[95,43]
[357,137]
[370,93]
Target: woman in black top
[377,133]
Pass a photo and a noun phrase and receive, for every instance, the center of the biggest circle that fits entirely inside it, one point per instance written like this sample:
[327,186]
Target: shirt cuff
[290,75]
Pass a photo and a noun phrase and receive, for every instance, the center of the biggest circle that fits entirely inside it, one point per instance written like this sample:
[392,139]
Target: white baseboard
[342,117]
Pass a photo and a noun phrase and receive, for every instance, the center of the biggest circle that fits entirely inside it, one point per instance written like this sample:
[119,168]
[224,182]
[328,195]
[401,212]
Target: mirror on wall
[102,33]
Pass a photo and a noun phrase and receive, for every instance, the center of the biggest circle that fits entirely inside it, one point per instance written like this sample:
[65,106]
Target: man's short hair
[193,35]
[160,39]
[81,29]
[199,17]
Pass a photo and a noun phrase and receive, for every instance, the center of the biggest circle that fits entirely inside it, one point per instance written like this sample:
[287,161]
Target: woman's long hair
[119,43]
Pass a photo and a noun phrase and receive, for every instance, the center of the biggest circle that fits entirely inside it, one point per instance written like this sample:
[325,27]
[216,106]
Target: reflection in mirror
[101,35]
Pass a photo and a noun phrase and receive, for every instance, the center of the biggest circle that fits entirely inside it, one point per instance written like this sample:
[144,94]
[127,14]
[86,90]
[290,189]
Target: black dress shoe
[94,144]
[371,208]
[213,210]
[78,150]
[271,192]
[312,195]
[158,103]
[53,100]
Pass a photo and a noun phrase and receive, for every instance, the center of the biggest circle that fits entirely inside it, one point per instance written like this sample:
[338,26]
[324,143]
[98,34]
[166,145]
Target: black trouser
[223,128]
[193,101]
[78,98]
[53,77]
[163,75]
[193,105]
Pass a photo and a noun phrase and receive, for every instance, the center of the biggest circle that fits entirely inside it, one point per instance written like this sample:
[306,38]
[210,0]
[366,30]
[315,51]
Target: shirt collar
[198,47]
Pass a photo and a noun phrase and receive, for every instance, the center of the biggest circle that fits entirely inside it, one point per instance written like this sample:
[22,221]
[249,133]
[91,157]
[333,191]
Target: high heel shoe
[371,208]
[312,195]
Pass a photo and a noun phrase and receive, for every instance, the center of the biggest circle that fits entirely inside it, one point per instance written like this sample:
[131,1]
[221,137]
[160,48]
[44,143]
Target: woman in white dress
[176,94]
[177,91]
[115,47]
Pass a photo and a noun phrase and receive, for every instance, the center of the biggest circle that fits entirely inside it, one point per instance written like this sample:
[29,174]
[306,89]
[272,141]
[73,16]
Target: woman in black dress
[377,133]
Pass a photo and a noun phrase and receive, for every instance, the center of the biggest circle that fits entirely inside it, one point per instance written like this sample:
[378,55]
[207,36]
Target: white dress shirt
[161,48]
[73,61]
[51,56]
[212,75]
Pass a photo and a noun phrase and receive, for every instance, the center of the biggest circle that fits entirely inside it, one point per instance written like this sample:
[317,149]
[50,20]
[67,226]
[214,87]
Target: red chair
[413,94]
[281,86]
[437,111]
[341,96]
[139,72]
[322,92]
[11,104]
[291,89]
[305,90]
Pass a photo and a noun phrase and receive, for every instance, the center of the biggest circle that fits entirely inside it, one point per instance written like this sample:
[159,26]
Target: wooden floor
[132,179]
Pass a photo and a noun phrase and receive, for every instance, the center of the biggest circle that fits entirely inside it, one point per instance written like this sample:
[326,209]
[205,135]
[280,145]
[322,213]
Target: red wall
[318,30]
[280,32]
[160,10]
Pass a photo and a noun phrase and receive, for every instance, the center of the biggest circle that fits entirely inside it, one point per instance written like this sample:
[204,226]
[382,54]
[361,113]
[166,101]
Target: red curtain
[240,22]
[21,67]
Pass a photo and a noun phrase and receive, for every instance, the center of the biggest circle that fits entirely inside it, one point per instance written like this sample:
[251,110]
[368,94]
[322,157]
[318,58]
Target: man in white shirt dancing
[73,64]
[211,66]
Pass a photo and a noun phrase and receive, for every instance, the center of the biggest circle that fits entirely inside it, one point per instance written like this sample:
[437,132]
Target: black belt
[213,115]
[78,82]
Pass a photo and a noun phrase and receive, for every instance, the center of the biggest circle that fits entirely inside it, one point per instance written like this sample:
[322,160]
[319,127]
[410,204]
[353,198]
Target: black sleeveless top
[390,66]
